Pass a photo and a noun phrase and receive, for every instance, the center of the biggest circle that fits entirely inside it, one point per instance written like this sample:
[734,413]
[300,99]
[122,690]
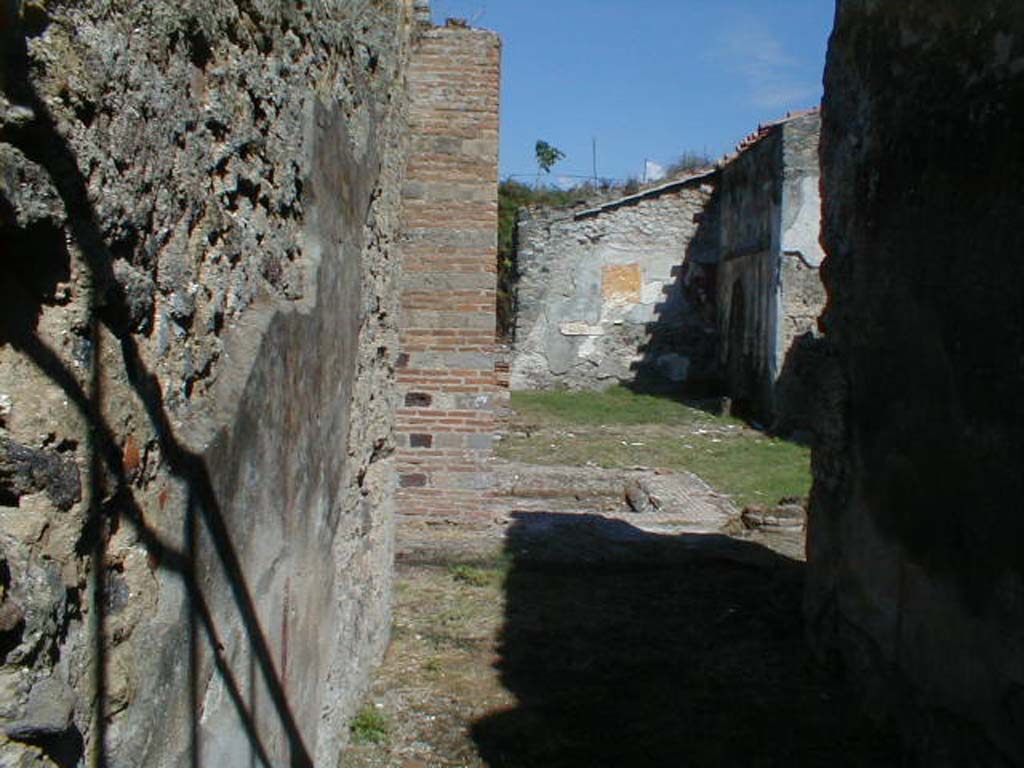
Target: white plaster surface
[801,236]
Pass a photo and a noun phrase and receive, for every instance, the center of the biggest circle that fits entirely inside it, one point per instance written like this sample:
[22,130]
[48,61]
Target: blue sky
[649,79]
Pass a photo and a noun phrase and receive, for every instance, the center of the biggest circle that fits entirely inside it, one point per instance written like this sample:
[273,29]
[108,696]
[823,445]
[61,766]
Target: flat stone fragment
[580,329]
[684,503]
[782,516]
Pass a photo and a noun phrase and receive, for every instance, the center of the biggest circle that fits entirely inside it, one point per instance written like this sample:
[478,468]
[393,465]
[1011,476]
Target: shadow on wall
[112,501]
[627,648]
[680,356]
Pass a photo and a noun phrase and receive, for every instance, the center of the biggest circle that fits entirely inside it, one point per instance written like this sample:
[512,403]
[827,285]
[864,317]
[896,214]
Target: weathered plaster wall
[446,375]
[769,286]
[748,274]
[803,294]
[916,535]
[197,341]
[614,294]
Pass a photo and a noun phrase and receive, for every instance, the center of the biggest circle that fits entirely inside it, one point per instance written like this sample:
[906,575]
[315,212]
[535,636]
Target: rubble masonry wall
[609,296]
[198,212]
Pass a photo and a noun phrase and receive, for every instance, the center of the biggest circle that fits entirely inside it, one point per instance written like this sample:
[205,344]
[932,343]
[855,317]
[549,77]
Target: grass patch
[752,470]
[370,726]
[470,574]
[616,405]
[618,429]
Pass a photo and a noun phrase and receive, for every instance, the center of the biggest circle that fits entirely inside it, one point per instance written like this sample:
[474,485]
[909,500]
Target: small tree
[547,156]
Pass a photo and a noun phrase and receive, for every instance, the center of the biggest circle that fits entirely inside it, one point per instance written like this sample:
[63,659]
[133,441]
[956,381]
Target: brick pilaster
[447,382]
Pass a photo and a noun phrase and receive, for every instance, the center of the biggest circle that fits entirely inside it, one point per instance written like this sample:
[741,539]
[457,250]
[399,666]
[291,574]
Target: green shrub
[370,726]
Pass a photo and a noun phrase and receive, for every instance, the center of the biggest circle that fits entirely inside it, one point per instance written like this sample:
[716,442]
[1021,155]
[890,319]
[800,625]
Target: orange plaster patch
[622,283]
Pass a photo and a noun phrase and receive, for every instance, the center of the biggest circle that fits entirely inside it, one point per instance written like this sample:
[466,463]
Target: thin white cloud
[653,171]
[773,78]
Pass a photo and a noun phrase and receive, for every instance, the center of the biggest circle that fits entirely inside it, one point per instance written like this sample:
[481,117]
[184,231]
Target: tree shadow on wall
[25,290]
[628,648]
[679,358]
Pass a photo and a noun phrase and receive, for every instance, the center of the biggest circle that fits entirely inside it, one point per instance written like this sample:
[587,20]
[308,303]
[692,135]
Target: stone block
[418,400]
[51,705]
[481,402]
[480,443]
[421,441]
[414,480]
[449,440]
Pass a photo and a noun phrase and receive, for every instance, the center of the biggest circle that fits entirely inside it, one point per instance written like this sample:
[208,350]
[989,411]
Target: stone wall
[916,537]
[446,373]
[769,288]
[705,285]
[198,202]
[616,294]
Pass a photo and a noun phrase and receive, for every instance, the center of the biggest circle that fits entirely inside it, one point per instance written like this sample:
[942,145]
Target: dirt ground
[576,632]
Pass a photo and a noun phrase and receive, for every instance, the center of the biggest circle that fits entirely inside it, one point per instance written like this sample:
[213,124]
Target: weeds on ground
[370,726]
[471,574]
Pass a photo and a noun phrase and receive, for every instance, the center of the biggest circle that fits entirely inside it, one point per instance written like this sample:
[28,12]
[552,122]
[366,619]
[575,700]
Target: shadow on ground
[626,648]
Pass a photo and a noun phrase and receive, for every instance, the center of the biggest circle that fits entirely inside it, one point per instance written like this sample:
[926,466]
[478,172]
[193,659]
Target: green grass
[618,429]
[617,405]
[370,726]
[752,470]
